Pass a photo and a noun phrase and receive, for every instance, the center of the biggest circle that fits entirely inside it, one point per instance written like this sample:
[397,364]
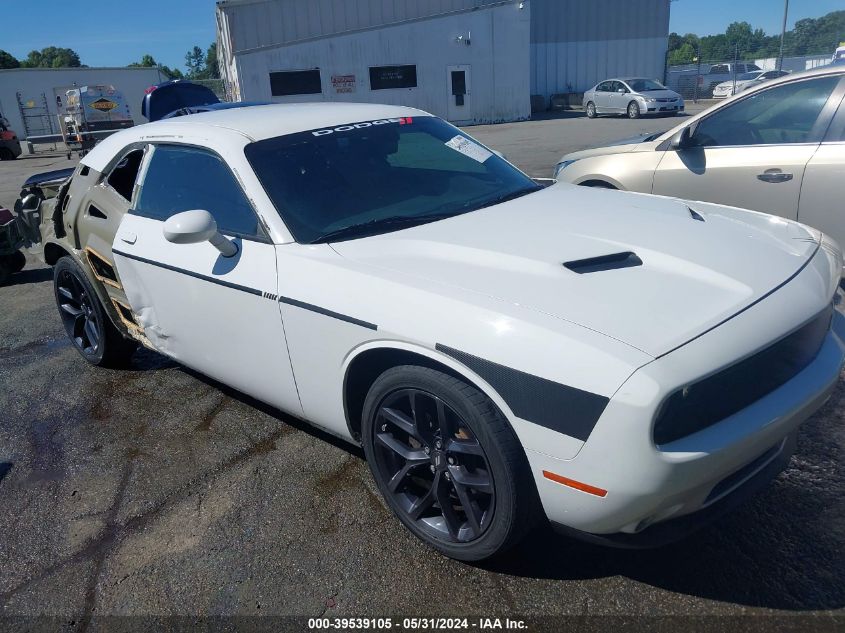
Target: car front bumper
[683,483]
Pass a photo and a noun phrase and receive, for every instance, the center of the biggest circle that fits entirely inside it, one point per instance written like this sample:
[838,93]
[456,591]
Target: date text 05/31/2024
[413,624]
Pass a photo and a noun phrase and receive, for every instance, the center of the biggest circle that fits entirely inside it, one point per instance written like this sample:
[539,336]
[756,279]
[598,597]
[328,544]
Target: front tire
[447,463]
[591,110]
[87,325]
[633,110]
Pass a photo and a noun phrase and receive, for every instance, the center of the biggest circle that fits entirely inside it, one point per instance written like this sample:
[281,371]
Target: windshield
[377,176]
[645,85]
[749,76]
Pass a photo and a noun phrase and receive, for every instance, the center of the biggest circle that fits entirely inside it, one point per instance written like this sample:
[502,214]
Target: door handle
[774,175]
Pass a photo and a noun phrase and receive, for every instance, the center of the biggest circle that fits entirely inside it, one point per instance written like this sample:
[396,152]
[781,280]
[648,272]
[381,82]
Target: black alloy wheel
[79,316]
[448,463]
[434,466]
[86,322]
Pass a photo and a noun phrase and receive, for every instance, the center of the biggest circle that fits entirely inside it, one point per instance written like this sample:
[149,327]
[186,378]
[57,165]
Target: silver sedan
[633,96]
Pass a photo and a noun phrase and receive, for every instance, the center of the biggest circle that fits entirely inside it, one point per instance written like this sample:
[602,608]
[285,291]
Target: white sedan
[745,81]
[626,366]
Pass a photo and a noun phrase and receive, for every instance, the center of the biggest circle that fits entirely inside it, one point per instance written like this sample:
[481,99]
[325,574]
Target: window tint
[183,178]
[296,82]
[322,181]
[122,177]
[645,85]
[784,114]
[385,77]
[603,86]
[720,68]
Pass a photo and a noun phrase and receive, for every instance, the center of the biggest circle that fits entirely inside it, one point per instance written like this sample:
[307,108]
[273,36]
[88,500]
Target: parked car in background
[745,81]
[10,146]
[778,148]
[632,96]
[627,367]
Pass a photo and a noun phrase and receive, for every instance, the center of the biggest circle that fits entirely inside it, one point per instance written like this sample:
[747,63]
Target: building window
[386,77]
[295,82]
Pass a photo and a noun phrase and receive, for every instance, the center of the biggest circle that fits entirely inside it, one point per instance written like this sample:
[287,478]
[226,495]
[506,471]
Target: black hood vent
[604,262]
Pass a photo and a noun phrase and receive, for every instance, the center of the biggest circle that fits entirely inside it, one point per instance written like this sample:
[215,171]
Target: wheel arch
[368,362]
[54,251]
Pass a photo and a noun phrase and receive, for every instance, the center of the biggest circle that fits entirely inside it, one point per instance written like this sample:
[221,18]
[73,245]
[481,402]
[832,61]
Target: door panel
[602,97]
[762,178]
[219,315]
[752,153]
[821,205]
[460,93]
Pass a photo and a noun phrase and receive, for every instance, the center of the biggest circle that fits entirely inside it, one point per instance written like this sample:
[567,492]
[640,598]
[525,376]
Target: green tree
[148,61]
[211,67]
[195,63]
[685,54]
[7,60]
[52,57]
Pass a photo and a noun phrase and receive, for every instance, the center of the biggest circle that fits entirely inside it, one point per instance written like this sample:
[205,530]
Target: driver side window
[182,178]
[779,115]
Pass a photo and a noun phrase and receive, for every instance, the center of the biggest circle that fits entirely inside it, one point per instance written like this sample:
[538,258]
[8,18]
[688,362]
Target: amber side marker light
[575,484]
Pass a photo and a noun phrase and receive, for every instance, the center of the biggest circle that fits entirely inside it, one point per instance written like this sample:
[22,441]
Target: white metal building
[470,61]
[29,96]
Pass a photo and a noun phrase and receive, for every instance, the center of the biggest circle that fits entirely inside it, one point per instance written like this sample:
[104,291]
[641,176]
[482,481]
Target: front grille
[712,399]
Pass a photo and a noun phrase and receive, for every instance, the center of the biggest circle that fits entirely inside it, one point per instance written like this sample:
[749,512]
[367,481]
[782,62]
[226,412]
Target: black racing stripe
[328,313]
[550,404]
[253,291]
[190,273]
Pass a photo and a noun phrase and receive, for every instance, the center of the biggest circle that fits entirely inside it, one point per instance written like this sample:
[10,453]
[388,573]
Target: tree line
[198,64]
[810,36]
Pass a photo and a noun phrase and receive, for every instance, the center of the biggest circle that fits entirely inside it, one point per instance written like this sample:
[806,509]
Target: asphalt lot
[154,490]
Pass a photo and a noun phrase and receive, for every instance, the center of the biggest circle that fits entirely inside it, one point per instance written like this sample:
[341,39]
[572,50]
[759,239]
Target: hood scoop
[604,262]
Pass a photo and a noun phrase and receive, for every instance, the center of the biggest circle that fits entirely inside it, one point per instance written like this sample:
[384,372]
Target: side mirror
[193,227]
[680,140]
[621,91]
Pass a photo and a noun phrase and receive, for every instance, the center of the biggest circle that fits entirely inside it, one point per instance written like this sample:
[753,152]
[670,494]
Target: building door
[460,93]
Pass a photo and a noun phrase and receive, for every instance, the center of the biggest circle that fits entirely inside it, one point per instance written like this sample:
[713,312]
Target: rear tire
[591,110]
[87,325]
[6,154]
[434,442]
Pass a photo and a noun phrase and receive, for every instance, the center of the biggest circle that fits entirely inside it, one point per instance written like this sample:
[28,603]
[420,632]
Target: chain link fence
[698,80]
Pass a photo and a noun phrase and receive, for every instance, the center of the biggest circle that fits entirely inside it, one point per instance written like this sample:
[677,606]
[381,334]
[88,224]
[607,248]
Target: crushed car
[626,367]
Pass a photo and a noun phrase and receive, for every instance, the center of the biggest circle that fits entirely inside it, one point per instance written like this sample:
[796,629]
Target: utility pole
[783,33]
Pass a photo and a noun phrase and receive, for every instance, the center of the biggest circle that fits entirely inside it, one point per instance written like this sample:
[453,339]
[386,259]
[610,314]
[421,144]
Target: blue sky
[707,17]
[118,33]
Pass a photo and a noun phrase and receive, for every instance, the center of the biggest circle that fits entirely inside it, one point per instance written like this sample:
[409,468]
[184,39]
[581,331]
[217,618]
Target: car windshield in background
[749,76]
[645,85]
[373,177]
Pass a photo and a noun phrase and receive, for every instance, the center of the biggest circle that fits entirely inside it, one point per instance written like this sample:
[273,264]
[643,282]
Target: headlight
[650,99]
[562,165]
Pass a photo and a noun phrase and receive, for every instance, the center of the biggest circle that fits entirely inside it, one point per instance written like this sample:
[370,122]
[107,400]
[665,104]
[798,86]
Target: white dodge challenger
[626,366]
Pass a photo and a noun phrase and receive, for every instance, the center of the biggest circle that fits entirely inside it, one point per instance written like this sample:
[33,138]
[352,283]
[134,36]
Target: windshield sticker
[466,147]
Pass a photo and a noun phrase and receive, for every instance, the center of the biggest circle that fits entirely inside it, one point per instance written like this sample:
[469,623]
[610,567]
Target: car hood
[695,273]
[619,147]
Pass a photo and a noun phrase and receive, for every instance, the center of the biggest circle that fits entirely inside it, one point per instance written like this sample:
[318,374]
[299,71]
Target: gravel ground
[154,490]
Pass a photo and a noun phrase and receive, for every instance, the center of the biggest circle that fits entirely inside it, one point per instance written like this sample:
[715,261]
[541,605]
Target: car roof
[255,123]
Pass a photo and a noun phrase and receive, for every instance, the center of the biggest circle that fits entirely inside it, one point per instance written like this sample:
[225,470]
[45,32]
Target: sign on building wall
[343,84]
